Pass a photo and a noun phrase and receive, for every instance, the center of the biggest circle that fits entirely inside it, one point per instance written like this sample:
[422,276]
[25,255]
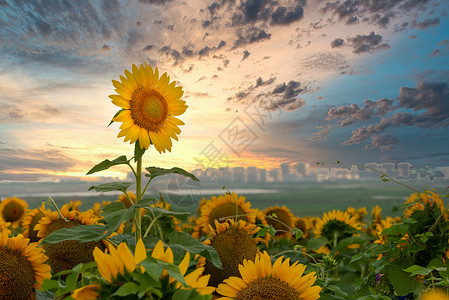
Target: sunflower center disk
[149,109]
[13,211]
[16,275]
[224,211]
[233,246]
[281,222]
[267,288]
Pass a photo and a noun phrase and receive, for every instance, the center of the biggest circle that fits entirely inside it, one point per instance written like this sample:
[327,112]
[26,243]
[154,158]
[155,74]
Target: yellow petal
[141,252]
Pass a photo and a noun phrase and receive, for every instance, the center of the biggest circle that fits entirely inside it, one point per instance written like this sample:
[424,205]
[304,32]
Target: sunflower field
[139,247]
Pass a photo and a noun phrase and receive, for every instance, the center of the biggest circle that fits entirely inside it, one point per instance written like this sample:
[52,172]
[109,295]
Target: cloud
[424,106]
[384,143]
[379,12]
[34,160]
[286,97]
[245,54]
[337,43]
[283,16]
[367,43]
[252,35]
[426,23]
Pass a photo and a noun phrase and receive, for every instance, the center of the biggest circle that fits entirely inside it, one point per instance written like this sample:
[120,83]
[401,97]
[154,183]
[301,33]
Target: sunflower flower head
[195,279]
[261,280]
[422,201]
[335,226]
[281,218]
[22,267]
[149,107]
[233,242]
[67,254]
[13,210]
[434,295]
[229,205]
[32,219]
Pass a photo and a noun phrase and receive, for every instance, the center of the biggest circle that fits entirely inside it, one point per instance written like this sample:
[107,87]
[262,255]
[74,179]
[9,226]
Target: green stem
[137,212]
[112,242]
[151,225]
[50,199]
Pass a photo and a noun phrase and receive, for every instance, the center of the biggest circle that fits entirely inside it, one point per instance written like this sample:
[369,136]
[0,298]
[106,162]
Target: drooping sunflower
[260,280]
[222,207]
[335,226]
[13,210]
[281,218]
[22,267]
[66,255]
[149,105]
[233,242]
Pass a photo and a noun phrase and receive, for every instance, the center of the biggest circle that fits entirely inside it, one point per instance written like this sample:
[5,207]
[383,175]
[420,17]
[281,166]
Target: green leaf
[81,233]
[152,268]
[137,151]
[155,172]
[401,280]
[395,230]
[112,186]
[173,271]
[129,288]
[298,233]
[116,114]
[44,295]
[187,243]
[316,243]
[106,164]
[160,211]
[49,284]
[418,270]
[115,214]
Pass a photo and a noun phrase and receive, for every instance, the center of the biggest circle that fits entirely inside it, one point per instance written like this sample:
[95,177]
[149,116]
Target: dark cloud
[426,23]
[283,16]
[379,12]
[367,43]
[148,47]
[245,54]
[106,47]
[286,97]
[424,106]
[251,35]
[337,43]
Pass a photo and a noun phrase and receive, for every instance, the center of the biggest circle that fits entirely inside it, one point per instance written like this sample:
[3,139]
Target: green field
[304,199]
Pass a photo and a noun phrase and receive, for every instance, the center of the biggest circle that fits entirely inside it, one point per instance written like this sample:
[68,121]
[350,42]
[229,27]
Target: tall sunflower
[67,254]
[149,105]
[22,267]
[260,280]
[32,219]
[233,242]
[422,200]
[222,207]
[13,210]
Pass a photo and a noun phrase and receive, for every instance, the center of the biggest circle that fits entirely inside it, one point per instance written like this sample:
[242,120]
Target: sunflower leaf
[155,172]
[116,114]
[129,288]
[182,215]
[138,152]
[112,186]
[81,233]
[106,164]
[182,242]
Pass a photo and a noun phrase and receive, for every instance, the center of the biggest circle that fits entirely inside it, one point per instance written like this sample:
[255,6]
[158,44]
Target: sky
[266,82]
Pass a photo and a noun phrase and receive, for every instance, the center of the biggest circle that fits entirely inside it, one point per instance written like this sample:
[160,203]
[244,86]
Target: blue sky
[355,81]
